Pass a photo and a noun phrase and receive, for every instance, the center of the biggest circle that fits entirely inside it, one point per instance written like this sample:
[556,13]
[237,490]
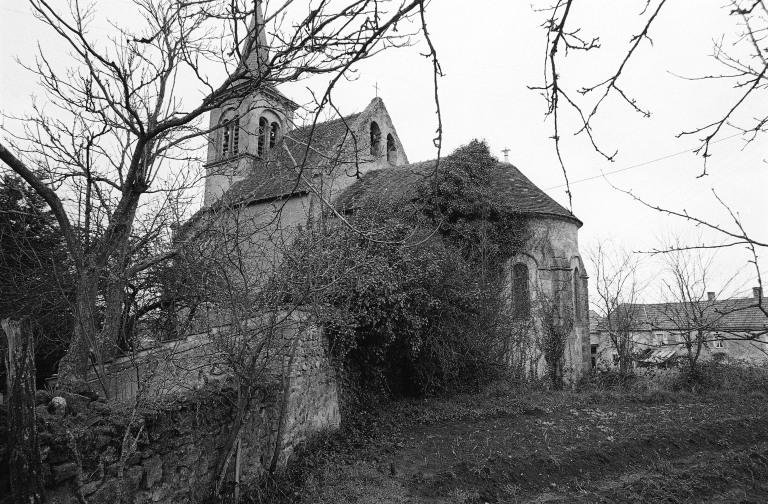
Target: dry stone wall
[166,450]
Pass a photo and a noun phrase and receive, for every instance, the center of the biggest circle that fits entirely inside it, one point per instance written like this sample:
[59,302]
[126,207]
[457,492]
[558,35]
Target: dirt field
[554,448]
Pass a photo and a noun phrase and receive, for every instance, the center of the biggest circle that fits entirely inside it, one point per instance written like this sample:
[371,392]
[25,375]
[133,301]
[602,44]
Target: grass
[606,440]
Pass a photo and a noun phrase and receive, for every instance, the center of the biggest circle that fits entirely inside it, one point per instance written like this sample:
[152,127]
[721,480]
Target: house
[736,328]
[267,177]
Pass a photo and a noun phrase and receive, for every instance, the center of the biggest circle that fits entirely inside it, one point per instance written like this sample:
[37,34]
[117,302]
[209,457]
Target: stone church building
[273,175]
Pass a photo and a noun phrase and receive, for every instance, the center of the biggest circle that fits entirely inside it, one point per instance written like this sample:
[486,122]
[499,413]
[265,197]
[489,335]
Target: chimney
[757,292]
[710,296]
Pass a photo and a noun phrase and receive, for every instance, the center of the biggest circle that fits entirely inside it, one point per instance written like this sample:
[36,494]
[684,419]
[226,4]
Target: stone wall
[165,447]
[552,257]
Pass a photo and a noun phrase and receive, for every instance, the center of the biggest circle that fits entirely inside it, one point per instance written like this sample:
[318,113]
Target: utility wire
[644,163]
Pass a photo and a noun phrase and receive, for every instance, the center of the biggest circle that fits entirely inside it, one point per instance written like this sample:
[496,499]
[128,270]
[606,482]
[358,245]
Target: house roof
[400,183]
[740,314]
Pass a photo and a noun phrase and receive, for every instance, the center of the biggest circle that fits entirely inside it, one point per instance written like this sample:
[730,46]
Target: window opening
[262,145]
[225,141]
[576,295]
[391,149]
[375,139]
[235,134]
[274,129]
[230,137]
[520,292]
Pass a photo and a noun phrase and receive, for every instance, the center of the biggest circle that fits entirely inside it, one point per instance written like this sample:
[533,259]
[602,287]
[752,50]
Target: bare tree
[743,56]
[121,121]
[688,310]
[617,288]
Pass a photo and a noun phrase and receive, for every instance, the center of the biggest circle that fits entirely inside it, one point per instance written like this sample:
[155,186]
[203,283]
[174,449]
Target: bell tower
[244,129]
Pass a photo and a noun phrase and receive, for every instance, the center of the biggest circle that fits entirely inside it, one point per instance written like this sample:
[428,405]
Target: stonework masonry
[553,260]
[166,449]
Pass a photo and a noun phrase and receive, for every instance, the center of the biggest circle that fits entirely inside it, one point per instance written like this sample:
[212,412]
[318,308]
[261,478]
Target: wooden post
[23,449]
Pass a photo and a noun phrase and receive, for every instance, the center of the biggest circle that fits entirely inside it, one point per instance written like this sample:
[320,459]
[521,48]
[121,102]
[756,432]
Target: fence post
[23,449]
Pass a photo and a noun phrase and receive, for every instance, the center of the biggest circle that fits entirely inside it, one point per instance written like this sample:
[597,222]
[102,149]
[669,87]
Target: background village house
[735,328]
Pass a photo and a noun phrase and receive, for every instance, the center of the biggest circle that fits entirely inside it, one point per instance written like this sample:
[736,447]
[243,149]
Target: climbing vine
[414,304]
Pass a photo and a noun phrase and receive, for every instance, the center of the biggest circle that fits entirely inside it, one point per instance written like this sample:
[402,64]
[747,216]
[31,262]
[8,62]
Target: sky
[492,52]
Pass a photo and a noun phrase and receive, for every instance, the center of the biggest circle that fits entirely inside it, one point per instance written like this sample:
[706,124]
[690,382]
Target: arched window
[375,139]
[230,137]
[521,301]
[391,149]
[274,131]
[263,131]
[576,294]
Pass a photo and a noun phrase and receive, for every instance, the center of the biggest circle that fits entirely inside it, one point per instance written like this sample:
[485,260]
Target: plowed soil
[556,448]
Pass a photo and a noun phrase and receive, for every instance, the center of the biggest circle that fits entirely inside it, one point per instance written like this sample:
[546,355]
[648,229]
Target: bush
[410,293]
[669,385]
[731,375]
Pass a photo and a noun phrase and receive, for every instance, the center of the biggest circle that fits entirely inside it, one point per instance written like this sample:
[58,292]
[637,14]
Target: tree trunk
[87,337]
[23,449]
[73,368]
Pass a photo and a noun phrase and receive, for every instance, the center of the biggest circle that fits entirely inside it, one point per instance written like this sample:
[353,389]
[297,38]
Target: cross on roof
[377,88]
[505,150]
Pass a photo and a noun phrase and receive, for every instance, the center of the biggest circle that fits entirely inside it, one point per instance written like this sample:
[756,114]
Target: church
[272,176]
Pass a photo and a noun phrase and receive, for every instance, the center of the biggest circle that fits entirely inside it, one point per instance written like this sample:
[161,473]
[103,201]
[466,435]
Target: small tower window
[235,134]
[230,137]
[375,139]
[274,130]
[263,130]
[521,302]
[225,140]
[391,149]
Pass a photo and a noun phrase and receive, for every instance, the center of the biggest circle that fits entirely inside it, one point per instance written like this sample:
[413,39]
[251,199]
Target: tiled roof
[385,186]
[326,140]
[268,185]
[525,197]
[741,314]
[521,195]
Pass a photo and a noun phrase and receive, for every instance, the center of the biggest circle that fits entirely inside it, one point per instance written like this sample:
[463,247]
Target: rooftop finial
[505,150]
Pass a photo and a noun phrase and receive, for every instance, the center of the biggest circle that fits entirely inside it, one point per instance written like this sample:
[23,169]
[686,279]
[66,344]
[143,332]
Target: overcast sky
[491,52]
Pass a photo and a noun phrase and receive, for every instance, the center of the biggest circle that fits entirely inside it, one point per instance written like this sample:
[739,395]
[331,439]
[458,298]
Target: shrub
[667,385]
[731,375]
[410,293]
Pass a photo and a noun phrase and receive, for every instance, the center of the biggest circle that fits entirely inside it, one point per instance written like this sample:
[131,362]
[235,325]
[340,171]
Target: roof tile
[400,182]
[739,314]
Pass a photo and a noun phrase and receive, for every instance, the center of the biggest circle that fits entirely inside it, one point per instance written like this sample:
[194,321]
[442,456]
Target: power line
[644,163]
